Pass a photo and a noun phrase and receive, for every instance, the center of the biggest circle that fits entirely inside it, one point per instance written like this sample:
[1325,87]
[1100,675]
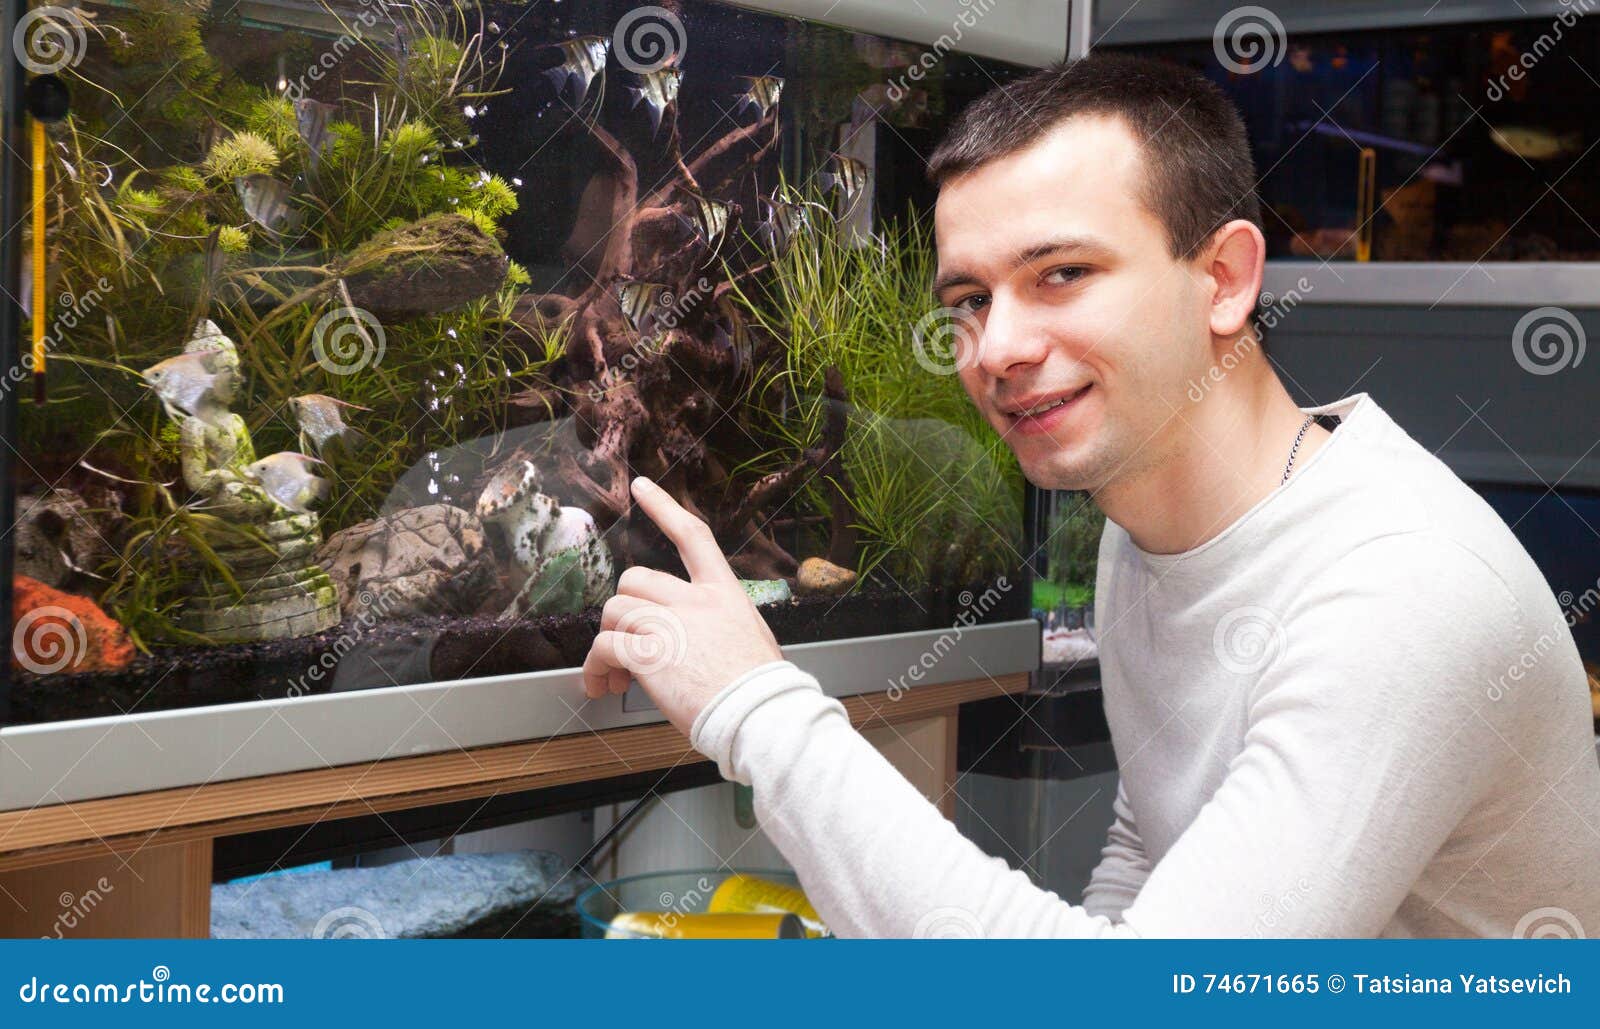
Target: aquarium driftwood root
[653,402]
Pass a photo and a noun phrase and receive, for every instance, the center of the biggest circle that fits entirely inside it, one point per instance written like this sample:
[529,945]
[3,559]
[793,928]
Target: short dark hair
[1199,173]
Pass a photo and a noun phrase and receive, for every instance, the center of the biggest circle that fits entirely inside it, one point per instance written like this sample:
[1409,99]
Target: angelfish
[709,220]
[639,301]
[783,222]
[660,89]
[737,341]
[288,479]
[849,176]
[265,199]
[320,419]
[181,382]
[763,94]
[585,57]
[311,119]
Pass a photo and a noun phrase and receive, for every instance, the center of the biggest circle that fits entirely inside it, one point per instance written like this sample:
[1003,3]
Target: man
[1343,699]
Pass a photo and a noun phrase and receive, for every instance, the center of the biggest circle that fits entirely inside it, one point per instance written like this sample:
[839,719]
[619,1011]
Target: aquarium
[348,325]
[1430,140]
[1064,530]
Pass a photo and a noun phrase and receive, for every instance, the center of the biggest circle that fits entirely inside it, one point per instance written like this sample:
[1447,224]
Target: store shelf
[1524,285]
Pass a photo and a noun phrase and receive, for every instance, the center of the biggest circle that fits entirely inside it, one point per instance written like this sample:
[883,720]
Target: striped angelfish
[265,199]
[849,176]
[763,94]
[784,220]
[311,119]
[660,89]
[584,58]
[639,302]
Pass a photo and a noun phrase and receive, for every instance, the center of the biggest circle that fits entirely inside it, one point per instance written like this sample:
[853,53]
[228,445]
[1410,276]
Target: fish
[849,177]
[288,479]
[639,302]
[1535,144]
[709,219]
[783,222]
[763,94]
[311,119]
[266,201]
[319,418]
[660,89]
[737,341]
[585,57]
[402,56]
[181,382]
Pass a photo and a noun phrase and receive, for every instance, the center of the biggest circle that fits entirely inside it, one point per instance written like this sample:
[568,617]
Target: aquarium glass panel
[358,319]
[1470,142]
[1065,528]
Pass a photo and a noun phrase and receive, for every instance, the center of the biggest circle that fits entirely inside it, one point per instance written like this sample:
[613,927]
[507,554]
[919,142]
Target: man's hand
[683,641]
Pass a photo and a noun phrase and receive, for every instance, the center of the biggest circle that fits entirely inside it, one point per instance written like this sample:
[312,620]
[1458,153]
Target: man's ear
[1233,261]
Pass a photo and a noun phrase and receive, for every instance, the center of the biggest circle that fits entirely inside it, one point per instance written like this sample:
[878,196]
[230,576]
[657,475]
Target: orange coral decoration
[63,632]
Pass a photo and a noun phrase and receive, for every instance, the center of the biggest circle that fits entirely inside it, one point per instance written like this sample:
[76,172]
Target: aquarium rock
[819,576]
[560,561]
[423,267]
[421,561]
[766,591]
[63,632]
[418,899]
[57,539]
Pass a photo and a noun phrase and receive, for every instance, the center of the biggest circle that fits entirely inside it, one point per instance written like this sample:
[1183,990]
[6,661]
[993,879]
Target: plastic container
[671,894]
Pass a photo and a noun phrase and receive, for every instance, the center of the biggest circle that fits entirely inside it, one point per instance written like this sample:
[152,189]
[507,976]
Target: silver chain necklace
[1296,448]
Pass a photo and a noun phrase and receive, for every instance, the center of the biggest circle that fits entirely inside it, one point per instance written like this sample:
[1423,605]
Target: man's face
[1077,298]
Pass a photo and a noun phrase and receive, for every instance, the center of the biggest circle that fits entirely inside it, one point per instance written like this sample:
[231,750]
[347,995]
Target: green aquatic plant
[171,241]
[936,496]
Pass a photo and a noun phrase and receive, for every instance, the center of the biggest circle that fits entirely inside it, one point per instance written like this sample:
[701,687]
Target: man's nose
[1011,340]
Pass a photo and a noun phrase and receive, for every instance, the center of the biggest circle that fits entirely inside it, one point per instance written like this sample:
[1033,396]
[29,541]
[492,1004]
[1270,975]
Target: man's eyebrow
[1077,244]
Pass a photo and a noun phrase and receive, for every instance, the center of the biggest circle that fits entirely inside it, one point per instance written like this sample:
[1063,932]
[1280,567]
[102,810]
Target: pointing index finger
[696,546]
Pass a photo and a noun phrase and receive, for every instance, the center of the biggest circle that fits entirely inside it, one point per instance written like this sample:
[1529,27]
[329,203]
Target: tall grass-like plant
[936,494]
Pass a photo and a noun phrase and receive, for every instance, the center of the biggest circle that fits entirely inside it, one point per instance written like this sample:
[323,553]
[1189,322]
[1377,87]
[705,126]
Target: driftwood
[662,405]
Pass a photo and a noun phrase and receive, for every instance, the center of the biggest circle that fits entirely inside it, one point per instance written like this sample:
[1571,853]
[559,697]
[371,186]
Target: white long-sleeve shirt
[1356,711]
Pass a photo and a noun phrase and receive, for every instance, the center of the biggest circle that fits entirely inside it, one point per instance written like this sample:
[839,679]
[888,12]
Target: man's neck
[1223,455]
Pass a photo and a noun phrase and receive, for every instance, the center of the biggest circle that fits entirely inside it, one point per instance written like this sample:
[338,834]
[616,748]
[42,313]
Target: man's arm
[1123,867]
[1364,751]
[1368,740]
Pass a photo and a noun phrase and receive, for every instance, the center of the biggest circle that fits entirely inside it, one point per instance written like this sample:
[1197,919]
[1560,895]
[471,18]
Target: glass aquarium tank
[354,321]
[1429,142]
[1066,527]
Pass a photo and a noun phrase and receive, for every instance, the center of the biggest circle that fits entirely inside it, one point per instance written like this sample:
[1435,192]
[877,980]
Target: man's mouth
[1043,412]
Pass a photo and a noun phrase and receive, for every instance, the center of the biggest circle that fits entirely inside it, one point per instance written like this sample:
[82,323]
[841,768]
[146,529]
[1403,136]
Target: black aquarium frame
[14,178]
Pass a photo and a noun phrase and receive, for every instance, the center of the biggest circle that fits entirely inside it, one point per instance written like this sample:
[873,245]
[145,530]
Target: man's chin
[1060,471]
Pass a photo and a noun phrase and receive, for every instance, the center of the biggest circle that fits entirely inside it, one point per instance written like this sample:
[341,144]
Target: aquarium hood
[1032,32]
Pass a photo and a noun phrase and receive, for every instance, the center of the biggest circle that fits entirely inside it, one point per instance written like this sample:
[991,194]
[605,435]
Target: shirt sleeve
[1363,751]
[1123,867]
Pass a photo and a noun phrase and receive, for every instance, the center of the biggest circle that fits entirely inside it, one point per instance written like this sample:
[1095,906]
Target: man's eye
[1065,276]
[971,303]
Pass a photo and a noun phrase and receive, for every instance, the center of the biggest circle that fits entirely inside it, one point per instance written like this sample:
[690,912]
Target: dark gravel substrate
[357,656]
